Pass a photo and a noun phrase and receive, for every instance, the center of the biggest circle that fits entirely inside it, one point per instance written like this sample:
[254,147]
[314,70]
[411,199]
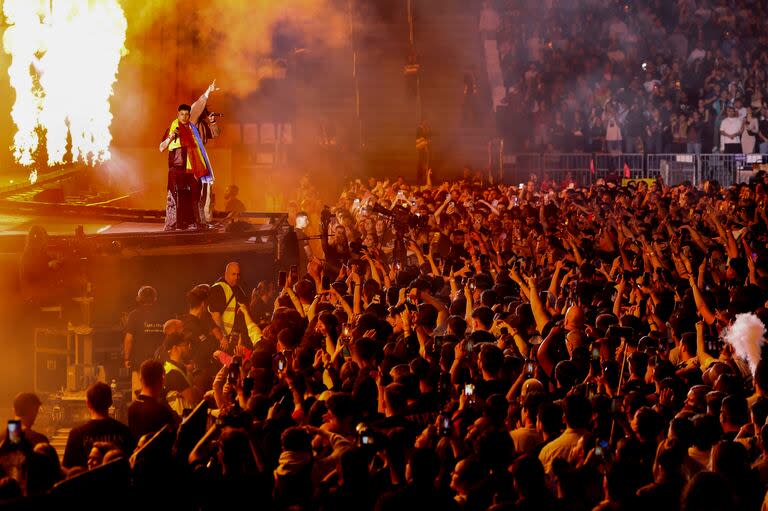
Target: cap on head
[530,386]
[147,295]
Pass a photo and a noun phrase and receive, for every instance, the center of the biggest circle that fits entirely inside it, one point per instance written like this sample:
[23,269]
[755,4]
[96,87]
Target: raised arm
[555,276]
[442,310]
[543,353]
[706,314]
[726,237]
[199,105]
[374,270]
[705,359]
[539,311]
[469,305]
[695,237]
[620,287]
[439,210]
[357,307]
[254,332]
[340,301]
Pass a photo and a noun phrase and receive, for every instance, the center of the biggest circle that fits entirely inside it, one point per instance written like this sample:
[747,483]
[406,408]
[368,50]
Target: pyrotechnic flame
[65,56]
[23,40]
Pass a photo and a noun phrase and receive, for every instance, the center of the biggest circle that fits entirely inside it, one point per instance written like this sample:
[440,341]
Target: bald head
[574,318]
[575,339]
[232,274]
[172,326]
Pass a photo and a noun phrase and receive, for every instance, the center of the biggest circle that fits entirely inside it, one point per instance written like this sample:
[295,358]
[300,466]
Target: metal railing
[607,164]
[517,168]
[673,168]
[585,168]
[562,167]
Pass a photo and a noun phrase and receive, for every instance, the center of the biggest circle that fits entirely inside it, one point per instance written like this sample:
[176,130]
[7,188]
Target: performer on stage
[189,169]
[208,129]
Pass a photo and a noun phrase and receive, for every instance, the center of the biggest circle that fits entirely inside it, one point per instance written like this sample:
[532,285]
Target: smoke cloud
[746,335]
[229,39]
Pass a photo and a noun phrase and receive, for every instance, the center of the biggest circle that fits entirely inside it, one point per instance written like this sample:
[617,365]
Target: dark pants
[185,192]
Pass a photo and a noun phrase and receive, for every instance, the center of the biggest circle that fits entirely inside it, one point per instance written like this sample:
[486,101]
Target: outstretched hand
[212,87]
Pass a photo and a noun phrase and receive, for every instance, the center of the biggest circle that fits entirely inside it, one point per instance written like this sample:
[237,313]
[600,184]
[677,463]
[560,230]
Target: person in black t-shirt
[395,409]
[336,250]
[26,405]
[198,327]
[149,412]
[143,333]
[490,362]
[181,392]
[101,428]
[261,301]
[457,252]
[42,281]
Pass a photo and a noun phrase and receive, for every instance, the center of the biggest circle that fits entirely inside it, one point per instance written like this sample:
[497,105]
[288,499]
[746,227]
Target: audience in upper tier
[642,76]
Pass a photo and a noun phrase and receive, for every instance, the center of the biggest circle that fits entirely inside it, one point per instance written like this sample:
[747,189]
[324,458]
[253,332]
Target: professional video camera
[401,217]
[403,222]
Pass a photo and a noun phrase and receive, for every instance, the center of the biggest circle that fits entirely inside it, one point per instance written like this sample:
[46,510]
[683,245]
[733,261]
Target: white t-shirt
[525,439]
[612,130]
[560,447]
[730,125]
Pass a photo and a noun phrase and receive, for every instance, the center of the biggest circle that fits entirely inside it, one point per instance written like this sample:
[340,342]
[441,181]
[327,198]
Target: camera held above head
[326,215]
[401,217]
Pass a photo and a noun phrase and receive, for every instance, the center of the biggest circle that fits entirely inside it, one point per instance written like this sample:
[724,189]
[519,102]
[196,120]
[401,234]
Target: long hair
[203,127]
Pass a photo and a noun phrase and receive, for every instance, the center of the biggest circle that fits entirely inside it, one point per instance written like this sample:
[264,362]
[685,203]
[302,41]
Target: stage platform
[131,228]
[63,199]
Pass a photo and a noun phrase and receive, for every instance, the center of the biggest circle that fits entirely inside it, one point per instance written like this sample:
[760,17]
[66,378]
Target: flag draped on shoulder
[197,158]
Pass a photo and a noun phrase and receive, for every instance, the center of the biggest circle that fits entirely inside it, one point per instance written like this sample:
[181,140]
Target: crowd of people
[455,346]
[653,76]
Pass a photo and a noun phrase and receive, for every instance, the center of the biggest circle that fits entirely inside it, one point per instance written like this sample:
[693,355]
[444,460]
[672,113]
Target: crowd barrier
[586,168]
